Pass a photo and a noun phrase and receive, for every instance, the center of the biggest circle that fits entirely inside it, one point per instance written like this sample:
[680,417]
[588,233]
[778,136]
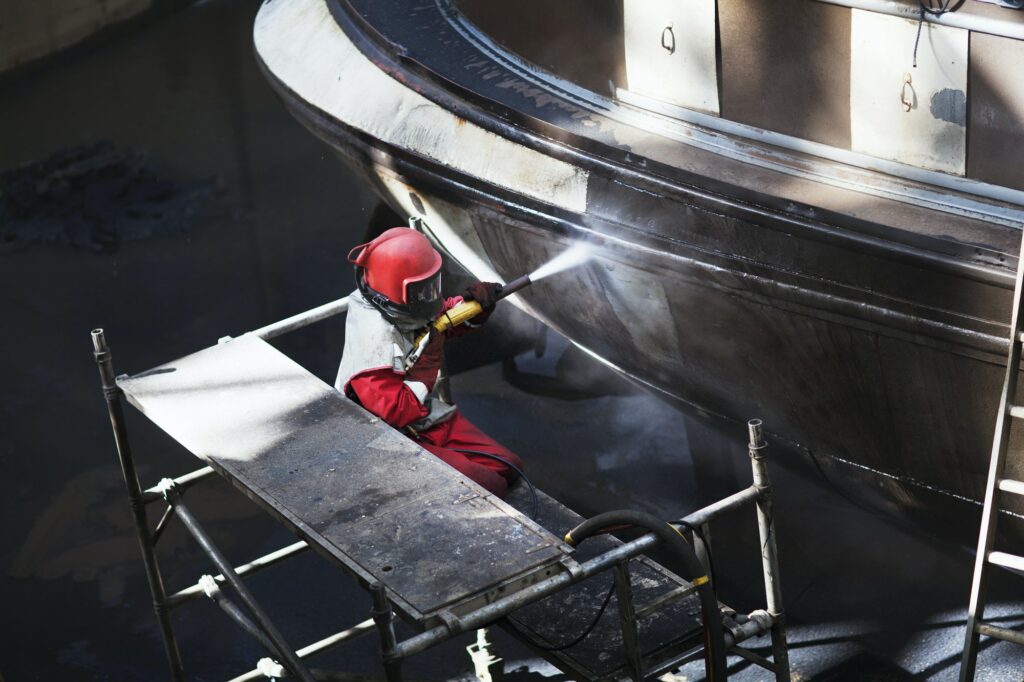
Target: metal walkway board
[364,494]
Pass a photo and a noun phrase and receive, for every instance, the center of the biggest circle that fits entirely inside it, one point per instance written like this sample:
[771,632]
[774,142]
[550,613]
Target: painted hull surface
[867,331]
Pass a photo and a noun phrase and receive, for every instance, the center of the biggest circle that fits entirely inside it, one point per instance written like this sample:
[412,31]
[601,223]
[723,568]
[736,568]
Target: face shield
[424,303]
[426,292]
[424,297]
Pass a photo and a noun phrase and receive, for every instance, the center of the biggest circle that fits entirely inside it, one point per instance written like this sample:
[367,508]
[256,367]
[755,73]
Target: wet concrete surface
[868,599]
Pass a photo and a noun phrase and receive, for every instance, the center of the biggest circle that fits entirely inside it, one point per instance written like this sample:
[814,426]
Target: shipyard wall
[32,29]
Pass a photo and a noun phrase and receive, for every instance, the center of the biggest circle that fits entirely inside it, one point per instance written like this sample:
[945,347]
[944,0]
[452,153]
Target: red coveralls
[383,392]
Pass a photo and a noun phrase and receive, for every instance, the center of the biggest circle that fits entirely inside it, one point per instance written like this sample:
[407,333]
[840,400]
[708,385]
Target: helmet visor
[424,302]
[425,292]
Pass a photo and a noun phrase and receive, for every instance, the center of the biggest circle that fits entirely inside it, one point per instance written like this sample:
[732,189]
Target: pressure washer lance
[459,314]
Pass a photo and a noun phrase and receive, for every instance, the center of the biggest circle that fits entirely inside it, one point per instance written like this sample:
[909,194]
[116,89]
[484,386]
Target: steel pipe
[971,22]
[627,621]
[732,641]
[182,483]
[161,526]
[299,321]
[212,590]
[707,514]
[665,599]
[287,654]
[384,620]
[265,561]
[754,624]
[115,409]
[756,659]
[1001,633]
[354,632]
[769,550]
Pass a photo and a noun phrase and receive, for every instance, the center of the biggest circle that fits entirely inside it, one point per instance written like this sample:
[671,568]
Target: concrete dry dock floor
[868,598]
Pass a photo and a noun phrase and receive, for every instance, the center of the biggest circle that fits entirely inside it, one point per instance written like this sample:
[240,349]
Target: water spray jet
[575,255]
[467,310]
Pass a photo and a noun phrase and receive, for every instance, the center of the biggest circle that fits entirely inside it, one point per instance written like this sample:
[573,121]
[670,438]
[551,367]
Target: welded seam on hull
[985,342]
[910,480]
[989,348]
[902,479]
[980,341]
[793,271]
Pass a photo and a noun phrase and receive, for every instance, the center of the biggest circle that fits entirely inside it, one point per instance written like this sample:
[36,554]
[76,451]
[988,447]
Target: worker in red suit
[398,294]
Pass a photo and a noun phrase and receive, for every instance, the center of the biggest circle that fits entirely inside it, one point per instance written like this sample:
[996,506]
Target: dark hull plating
[874,352]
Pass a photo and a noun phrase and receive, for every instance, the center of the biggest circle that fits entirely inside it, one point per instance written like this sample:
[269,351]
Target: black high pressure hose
[498,458]
[714,640]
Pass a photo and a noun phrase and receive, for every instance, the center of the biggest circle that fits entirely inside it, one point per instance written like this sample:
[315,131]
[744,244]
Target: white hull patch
[304,48]
[916,115]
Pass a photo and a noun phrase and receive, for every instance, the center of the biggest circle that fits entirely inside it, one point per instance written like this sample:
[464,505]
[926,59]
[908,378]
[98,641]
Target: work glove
[426,368]
[484,293]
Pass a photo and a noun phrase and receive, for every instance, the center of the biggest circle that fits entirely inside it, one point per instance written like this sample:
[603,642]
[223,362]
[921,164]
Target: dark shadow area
[580,40]
[786,68]
[995,118]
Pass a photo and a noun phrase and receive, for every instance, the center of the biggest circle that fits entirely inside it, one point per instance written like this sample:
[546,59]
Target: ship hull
[877,356]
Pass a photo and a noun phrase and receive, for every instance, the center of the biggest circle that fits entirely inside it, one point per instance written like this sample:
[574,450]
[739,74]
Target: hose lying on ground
[711,616]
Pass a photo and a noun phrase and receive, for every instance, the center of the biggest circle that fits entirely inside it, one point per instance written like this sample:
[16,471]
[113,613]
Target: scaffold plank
[363,494]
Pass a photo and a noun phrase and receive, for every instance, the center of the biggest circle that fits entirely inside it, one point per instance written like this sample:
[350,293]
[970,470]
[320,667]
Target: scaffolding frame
[284,660]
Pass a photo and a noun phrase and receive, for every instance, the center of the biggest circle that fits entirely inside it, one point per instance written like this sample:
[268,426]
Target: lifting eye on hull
[668,39]
[907,100]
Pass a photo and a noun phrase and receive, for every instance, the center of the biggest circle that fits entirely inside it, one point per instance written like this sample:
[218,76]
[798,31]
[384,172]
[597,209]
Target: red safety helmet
[400,273]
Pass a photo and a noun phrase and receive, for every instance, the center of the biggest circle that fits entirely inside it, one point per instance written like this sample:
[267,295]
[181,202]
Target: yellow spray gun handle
[456,315]
[453,317]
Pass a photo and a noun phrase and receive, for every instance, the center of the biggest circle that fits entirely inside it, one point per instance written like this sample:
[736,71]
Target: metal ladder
[976,626]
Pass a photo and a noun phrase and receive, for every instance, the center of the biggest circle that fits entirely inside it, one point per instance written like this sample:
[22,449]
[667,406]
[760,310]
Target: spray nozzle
[513,286]
[467,310]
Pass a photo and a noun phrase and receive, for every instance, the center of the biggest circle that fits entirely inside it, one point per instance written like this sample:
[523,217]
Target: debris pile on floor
[94,197]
